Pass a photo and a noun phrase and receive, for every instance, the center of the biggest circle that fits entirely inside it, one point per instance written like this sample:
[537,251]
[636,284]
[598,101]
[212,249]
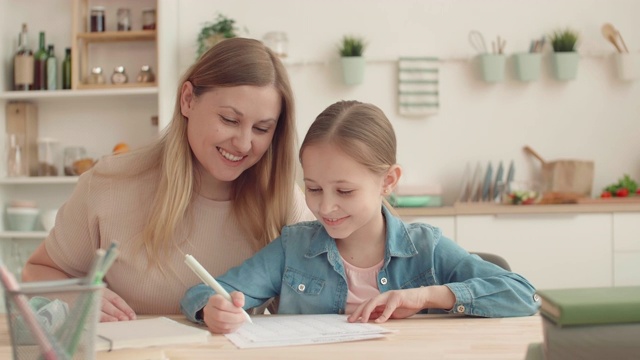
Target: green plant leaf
[223,27]
[351,46]
[564,40]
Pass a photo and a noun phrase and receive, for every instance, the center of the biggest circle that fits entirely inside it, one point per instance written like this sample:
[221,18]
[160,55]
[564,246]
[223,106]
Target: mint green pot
[527,66]
[565,65]
[492,67]
[353,70]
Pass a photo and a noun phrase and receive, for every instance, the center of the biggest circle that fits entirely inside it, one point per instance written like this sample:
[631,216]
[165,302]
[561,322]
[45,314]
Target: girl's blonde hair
[262,196]
[358,129]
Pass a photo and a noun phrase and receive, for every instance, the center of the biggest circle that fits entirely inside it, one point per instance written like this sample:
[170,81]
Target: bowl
[48,219]
[22,219]
[521,193]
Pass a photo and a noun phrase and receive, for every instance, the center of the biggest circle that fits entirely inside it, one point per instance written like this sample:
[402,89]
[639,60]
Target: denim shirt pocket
[302,283]
[422,279]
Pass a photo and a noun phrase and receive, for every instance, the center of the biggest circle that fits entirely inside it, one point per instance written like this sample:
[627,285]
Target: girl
[358,258]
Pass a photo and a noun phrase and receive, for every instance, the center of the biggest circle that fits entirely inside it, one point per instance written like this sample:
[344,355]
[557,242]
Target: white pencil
[204,275]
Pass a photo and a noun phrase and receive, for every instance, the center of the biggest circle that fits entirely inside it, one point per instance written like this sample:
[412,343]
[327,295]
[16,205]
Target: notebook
[136,334]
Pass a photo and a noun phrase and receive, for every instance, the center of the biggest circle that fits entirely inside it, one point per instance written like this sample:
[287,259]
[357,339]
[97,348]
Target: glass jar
[278,42]
[72,154]
[96,76]
[124,19]
[97,19]
[47,157]
[119,76]
[146,75]
[149,19]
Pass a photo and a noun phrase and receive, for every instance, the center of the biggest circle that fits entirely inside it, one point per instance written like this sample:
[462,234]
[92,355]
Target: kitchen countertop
[592,206]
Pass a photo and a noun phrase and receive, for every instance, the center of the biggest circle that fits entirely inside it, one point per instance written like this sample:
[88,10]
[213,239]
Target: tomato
[638,191]
[622,192]
[605,194]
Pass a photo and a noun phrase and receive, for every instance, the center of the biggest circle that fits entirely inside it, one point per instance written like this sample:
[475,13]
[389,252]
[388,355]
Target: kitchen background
[594,117]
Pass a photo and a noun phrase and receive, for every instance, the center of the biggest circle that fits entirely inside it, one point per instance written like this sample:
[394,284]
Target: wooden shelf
[133,85]
[117,36]
[38,180]
[106,90]
[23,234]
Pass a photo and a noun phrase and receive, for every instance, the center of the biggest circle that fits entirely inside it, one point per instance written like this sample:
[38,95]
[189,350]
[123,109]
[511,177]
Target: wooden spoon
[611,34]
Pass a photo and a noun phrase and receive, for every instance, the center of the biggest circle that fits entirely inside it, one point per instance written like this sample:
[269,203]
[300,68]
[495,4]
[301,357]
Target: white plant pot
[353,70]
[565,65]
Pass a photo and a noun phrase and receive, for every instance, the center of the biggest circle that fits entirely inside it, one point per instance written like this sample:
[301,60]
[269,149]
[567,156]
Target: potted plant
[214,32]
[565,58]
[351,51]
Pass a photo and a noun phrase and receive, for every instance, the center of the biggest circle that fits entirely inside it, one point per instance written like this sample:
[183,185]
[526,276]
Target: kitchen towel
[418,79]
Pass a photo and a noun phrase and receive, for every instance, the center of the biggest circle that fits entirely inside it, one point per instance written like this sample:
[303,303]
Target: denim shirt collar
[399,243]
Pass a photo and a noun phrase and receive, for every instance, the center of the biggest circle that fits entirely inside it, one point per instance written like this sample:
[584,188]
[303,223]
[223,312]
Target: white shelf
[38,180]
[23,234]
[71,94]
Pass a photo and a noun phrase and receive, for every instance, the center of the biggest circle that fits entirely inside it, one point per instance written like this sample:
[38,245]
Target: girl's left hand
[394,304]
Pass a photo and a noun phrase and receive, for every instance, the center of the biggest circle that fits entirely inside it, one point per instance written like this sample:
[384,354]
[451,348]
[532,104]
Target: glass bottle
[146,75]
[96,76]
[124,19]
[66,70]
[23,63]
[97,20]
[149,19]
[52,69]
[119,76]
[40,66]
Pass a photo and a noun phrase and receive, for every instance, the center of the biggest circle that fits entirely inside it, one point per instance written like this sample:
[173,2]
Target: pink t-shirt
[362,284]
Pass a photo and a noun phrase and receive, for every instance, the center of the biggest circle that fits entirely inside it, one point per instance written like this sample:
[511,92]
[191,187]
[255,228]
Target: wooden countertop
[589,206]
[418,337]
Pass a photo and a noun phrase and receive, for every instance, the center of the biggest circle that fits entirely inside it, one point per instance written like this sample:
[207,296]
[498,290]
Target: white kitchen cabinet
[446,223]
[626,249]
[550,250]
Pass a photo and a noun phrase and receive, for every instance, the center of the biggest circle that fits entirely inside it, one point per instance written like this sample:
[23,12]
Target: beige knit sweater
[104,208]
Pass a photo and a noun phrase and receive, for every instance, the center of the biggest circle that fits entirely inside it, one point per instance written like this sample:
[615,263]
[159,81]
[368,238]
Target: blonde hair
[358,129]
[262,196]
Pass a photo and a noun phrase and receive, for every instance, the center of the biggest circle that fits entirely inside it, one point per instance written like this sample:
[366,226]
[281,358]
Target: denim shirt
[303,267]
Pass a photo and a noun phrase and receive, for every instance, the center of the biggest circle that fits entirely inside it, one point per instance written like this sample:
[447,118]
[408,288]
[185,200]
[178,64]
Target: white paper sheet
[290,330]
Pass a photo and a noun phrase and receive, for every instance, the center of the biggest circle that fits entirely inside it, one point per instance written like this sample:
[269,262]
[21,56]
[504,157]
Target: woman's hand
[222,316]
[114,308]
[399,304]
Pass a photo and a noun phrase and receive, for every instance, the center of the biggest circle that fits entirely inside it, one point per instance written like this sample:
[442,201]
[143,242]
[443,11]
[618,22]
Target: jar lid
[145,68]
[119,69]
[97,8]
[96,70]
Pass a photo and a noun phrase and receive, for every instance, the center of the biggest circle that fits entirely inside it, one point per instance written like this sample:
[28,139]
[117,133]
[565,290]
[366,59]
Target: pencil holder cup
[527,66]
[492,67]
[53,319]
[627,66]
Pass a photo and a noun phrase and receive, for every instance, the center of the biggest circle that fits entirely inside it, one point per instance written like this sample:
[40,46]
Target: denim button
[383,281]
[301,287]
[536,297]
[460,308]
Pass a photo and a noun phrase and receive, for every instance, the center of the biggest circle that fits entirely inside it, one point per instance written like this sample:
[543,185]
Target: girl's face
[345,196]
[229,129]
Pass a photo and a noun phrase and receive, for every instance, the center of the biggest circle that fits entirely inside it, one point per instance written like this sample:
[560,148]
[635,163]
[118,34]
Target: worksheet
[290,330]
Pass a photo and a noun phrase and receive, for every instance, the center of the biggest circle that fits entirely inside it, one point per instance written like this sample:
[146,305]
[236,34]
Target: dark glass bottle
[52,69]
[66,70]
[23,63]
[40,66]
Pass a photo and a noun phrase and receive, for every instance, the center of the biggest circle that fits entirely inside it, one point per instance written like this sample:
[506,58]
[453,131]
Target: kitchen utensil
[476,183]
[611,34]
[497,184]
[486,186]
[477,42]
[511,173]
[464,187]
[565,176]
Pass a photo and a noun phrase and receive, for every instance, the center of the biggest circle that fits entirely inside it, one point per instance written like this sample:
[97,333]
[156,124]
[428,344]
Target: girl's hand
[114,308]
[223,317]
[399,304]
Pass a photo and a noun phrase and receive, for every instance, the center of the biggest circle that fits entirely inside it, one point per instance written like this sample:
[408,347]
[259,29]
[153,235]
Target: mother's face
[230,129]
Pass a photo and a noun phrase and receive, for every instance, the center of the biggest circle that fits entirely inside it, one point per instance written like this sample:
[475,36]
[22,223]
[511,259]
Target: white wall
[595,117]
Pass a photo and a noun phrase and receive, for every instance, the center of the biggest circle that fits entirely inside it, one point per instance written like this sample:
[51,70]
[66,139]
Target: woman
[219,184]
